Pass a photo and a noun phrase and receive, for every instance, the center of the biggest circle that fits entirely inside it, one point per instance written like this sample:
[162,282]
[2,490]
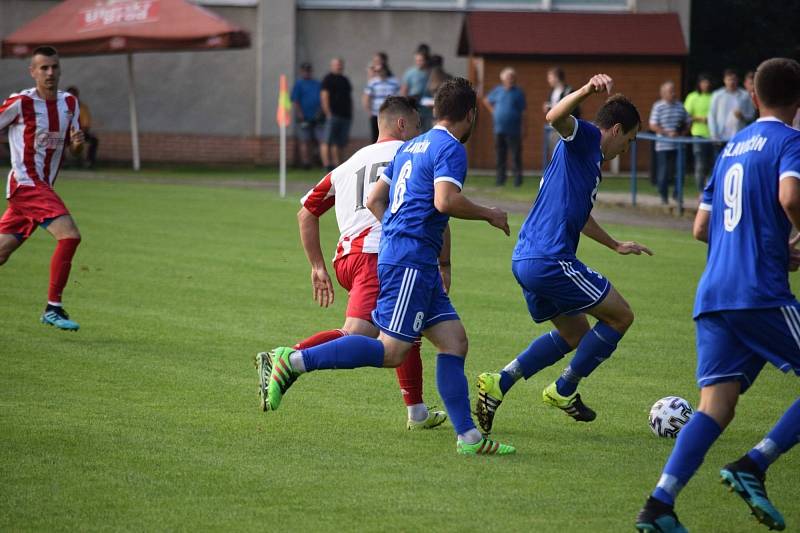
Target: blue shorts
[410,301]
[553,287]
[337,131]
[735,345]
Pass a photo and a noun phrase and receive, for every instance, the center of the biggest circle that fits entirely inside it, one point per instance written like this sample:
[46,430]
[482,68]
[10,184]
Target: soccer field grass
[147,418]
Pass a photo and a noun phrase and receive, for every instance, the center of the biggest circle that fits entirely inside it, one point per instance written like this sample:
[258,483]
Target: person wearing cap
[308,113]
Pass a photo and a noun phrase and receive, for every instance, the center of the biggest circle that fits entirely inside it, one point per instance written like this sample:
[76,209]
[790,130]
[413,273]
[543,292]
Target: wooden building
[639,51]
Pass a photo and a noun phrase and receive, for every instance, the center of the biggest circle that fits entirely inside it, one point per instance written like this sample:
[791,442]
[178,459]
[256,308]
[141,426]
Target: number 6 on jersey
[400,186]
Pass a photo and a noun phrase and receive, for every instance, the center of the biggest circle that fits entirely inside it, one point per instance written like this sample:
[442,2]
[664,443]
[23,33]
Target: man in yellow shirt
[85,118]
[697,104]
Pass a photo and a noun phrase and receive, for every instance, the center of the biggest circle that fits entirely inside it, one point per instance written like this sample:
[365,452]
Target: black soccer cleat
[656,516]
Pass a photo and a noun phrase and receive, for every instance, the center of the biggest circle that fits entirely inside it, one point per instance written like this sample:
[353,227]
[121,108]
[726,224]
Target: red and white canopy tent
[94,27]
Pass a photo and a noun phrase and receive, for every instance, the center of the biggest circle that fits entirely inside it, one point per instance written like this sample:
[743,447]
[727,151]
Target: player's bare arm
[378,199]
[789,198]
[560,117]
[594,231]
[447,199]
[700,227]
[76,141]
[444,260]
[321,283]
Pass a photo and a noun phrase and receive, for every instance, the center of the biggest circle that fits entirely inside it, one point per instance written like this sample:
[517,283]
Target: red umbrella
[93,27]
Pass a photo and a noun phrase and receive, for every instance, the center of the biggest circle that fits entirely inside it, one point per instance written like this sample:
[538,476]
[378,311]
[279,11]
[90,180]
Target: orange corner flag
[283,114]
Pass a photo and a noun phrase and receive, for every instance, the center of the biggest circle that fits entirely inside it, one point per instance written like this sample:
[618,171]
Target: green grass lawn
[147,418]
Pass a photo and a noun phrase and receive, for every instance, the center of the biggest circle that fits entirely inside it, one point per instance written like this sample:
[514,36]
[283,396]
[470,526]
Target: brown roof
[88,27]
[569,34]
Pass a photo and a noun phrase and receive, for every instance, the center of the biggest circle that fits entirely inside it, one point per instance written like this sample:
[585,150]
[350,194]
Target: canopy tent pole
[132,109]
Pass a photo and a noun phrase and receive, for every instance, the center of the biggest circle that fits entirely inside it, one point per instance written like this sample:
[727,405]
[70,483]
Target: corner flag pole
[283,117]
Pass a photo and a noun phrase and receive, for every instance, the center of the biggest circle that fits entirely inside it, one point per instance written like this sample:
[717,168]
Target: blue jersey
[748,233]
[566,197]
[412,227]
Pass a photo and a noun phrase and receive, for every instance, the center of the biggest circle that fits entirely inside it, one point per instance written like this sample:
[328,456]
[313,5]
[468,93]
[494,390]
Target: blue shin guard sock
[780,439]
[595,347]
[352,351]
[541,353]
[453,388]
[690,449]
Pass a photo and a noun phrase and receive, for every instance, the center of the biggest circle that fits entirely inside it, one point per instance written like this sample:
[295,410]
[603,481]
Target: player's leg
[773,334]
[450,340]
[68,237]
[399,302]
[725,368]
[8,243]
[15,227]
[539,279]
[614,317]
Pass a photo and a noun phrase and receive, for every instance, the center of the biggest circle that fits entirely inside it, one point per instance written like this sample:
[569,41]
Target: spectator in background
[436,77]
[697,105]
[308,113]
[556,79]
[378,89]
[85,120]
[731,108]
[668,118]
[415,81]
[750,87]
[506,103]
[336,98]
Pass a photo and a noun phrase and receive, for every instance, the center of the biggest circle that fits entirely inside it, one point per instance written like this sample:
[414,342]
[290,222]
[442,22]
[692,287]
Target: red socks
[409,375]
[319,338]
[60,265]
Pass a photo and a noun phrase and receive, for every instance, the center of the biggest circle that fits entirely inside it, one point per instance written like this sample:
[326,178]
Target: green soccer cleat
[281,377]
[572,405]
[264,366]
[489,399]
[435,418]
[658,517]
[58,317]
[485,447]
[748,483]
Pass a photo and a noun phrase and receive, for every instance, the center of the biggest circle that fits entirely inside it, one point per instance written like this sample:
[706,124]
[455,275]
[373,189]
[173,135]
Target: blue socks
[352,351]
[780,439]
[453,388]
[693,443]
[595,347]
[542,352]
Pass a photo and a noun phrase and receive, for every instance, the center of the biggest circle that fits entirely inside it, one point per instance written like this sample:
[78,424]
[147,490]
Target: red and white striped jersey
[347,187]
[38,132]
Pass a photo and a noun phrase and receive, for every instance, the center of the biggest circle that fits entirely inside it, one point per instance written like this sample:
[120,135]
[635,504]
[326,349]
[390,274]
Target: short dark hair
[729,72]
[397,105]
[454,99]
[558,72]
[44,50]
[778,82]
[618,110]
[73,90]
[424,50]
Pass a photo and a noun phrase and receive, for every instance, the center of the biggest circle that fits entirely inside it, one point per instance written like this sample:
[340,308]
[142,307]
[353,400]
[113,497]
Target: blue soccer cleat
[743,478]
[58,317]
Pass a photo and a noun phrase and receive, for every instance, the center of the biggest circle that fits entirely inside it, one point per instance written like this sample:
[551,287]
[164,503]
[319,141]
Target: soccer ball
[668,415]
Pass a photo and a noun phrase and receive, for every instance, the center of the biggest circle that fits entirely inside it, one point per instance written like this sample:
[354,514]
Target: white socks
[417,412]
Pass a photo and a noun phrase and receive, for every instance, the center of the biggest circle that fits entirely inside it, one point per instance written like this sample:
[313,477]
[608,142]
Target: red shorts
[29,207]
[358,274]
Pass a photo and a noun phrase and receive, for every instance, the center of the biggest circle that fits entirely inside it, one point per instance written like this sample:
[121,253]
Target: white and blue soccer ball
[669,415]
